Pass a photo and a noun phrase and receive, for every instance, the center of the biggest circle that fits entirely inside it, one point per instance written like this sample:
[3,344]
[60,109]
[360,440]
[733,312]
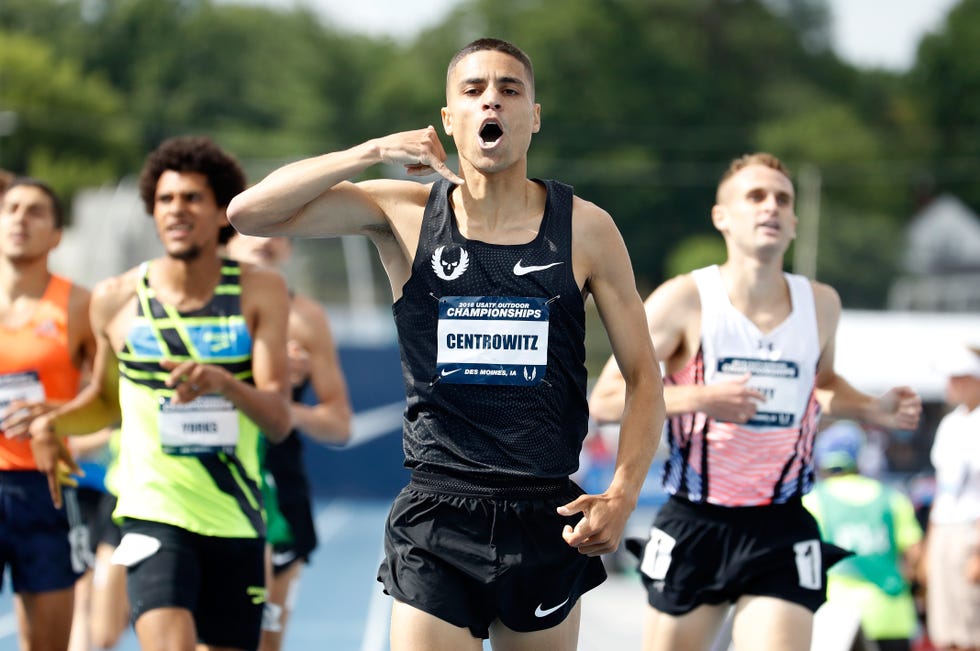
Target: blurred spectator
[878,524]
[952,567]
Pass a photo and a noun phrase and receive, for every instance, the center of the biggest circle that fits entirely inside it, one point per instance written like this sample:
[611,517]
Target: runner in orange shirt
[47,346]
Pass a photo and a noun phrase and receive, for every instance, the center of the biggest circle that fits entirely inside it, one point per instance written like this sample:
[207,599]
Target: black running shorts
[220,580]
[473,559]
[706,554]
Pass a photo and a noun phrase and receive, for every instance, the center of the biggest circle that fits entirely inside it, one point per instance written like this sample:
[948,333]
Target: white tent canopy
[879,350]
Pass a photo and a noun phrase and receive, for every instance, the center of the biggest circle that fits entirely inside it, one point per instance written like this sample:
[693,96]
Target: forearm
[325,423]
[85,414]
[841,400]
[639,437]
[685,399]
[267,408]
[607,402]
[287,191]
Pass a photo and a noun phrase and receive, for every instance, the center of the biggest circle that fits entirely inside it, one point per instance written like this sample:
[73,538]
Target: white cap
[959,361]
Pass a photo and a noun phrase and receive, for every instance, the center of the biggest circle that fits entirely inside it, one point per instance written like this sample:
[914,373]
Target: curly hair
[194,154]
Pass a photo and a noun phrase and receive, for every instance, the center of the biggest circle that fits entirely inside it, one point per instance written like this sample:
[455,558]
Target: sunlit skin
[963,389]
[266,251]
[491,115]
[28,228]
[186,214]
[312,356]
[755,213]
[490,87]
[28,232]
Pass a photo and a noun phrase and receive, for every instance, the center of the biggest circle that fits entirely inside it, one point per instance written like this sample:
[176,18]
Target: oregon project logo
[449,269]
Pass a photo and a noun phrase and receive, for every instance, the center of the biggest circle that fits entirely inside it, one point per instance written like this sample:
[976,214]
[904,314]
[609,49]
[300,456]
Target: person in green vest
[878,524]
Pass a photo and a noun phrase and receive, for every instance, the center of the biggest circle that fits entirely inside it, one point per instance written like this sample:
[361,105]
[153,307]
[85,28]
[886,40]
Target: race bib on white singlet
[492,340]
[206,425]
[778,380]
[24,386]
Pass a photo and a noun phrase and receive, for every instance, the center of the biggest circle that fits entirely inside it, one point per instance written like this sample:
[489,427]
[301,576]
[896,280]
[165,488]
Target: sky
[868,33]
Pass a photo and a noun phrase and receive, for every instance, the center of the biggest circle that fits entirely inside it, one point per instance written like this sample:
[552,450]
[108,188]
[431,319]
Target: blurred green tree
[68,127]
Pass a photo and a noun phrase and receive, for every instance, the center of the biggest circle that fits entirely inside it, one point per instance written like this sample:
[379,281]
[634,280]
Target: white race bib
[777,380]
[24,386]
[492,340]
[206,425]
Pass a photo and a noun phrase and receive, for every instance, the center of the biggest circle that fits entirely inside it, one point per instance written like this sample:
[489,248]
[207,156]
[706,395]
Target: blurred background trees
[643,101]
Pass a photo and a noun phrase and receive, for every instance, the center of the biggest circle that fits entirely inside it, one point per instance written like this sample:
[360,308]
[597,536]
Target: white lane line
[8,625]
[371,423]
[331,520]
[376,623]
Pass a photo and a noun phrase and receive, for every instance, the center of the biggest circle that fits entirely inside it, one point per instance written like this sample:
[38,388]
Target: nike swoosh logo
[281,558]
[543,612]
[521,270]
[444,372]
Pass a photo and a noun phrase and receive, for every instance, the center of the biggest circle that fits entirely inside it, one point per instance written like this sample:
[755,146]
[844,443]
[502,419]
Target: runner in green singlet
[191,355]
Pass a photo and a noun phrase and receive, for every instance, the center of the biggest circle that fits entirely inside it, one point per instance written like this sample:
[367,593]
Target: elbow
[244,215]
[345,429]
[280,426]
[342,427]
[240,216]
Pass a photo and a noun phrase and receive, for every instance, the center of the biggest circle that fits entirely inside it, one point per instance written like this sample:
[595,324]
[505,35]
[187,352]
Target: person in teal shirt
[878,524]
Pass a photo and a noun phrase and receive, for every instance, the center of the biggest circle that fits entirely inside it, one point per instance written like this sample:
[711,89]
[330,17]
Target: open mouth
[490,133]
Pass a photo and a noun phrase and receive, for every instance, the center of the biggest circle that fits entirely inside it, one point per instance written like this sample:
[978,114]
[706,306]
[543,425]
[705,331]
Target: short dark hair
[5,179]
[494,45]
[194,154]
[757,158]
[57,207]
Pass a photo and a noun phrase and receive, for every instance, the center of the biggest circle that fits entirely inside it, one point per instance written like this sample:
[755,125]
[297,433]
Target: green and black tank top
[193,466]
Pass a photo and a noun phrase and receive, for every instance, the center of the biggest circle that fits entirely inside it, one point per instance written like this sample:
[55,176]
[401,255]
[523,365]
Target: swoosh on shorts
[544,612]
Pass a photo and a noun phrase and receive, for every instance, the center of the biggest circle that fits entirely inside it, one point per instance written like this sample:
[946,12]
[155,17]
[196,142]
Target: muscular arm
[312,197]
[610,280]
[330,419]
[673,320]
[665,330]
[898,408]
[97,404]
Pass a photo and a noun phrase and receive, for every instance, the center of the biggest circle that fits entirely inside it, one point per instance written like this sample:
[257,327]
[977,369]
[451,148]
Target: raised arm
[602,255]
[313,198]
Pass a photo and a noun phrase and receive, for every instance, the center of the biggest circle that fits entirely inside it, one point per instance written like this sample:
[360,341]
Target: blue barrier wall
[373,468]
